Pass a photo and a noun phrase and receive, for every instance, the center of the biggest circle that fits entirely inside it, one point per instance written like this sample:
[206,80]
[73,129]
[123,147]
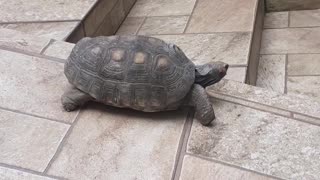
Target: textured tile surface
[237,74]
[130,26]
[259,141]
[59,49]
[304,64]
[18,40]
[110,143]
[27,141]
[305,85]
[55,30]
[231,48]
[266,97]
[271,72]
[276,19]
[285,5]
[291,40]
[35,10]
[11,174]
[162,7]
[207,170]
[305,18]
[223,16]
[164,25]
[32,85]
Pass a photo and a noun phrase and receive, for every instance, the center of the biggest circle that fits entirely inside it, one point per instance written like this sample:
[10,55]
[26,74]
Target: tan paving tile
[304,64]
[54,30]
[164,25]
[130,26]
[271,72]
[18,40]
[276,19]
[305,18]
[231,48]
[237,74]
[285,5]
[223,16]
[59,49]
[236,90]
[162,7]
[34,10]
[259,141]
[110,143]
[305,85]
[290,40]
[206,170]
[27,141]
[32,85]
[11,174]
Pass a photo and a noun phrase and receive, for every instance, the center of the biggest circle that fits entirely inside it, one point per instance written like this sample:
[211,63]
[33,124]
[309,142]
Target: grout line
[237,65]
[140,26]
[47,46]
[289,53]
[289,17]
[190,16]
[183,145]
[62,143]
[285,91]
[50,58]
[231,165]
[47,21]
[179,15]
[29,171]
[303,75]
[34,115]
[200,33]
[311,27]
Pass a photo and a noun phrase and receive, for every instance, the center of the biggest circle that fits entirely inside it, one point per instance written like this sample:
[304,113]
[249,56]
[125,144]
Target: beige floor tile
[276,20]
[304,64]
[305,18]
[130,26]
[11,174]
[17,40]
[110,143]
[164,25]
[27,141]
[195,168]
[290,40]
[232,48]
[33,85]
[237,74]
[35,10]
[55,30]
[162,7]
[305,85]
[259,141]
[223,16]
[59,49]
[271,72]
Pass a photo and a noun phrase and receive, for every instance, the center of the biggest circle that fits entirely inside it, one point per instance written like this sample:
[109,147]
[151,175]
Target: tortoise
[138,72]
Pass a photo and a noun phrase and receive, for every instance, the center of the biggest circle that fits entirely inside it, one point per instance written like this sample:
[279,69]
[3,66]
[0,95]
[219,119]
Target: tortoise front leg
[198,98]
[73,98]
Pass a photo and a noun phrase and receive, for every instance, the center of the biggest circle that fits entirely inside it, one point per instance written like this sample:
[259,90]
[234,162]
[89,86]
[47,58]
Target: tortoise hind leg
[73,98]
[199,99]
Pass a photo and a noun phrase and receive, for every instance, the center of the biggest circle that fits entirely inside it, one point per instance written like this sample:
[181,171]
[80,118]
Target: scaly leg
[73,98]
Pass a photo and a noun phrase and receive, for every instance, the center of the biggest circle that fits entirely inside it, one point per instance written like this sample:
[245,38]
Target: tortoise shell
[137,72]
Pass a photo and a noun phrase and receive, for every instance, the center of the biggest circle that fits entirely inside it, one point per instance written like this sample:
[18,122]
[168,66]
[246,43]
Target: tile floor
[290,53]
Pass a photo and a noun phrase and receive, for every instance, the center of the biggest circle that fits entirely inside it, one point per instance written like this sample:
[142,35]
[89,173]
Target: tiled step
[290,53]
[258,134]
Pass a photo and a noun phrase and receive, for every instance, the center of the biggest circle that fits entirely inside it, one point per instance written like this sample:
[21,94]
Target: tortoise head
[210,73]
